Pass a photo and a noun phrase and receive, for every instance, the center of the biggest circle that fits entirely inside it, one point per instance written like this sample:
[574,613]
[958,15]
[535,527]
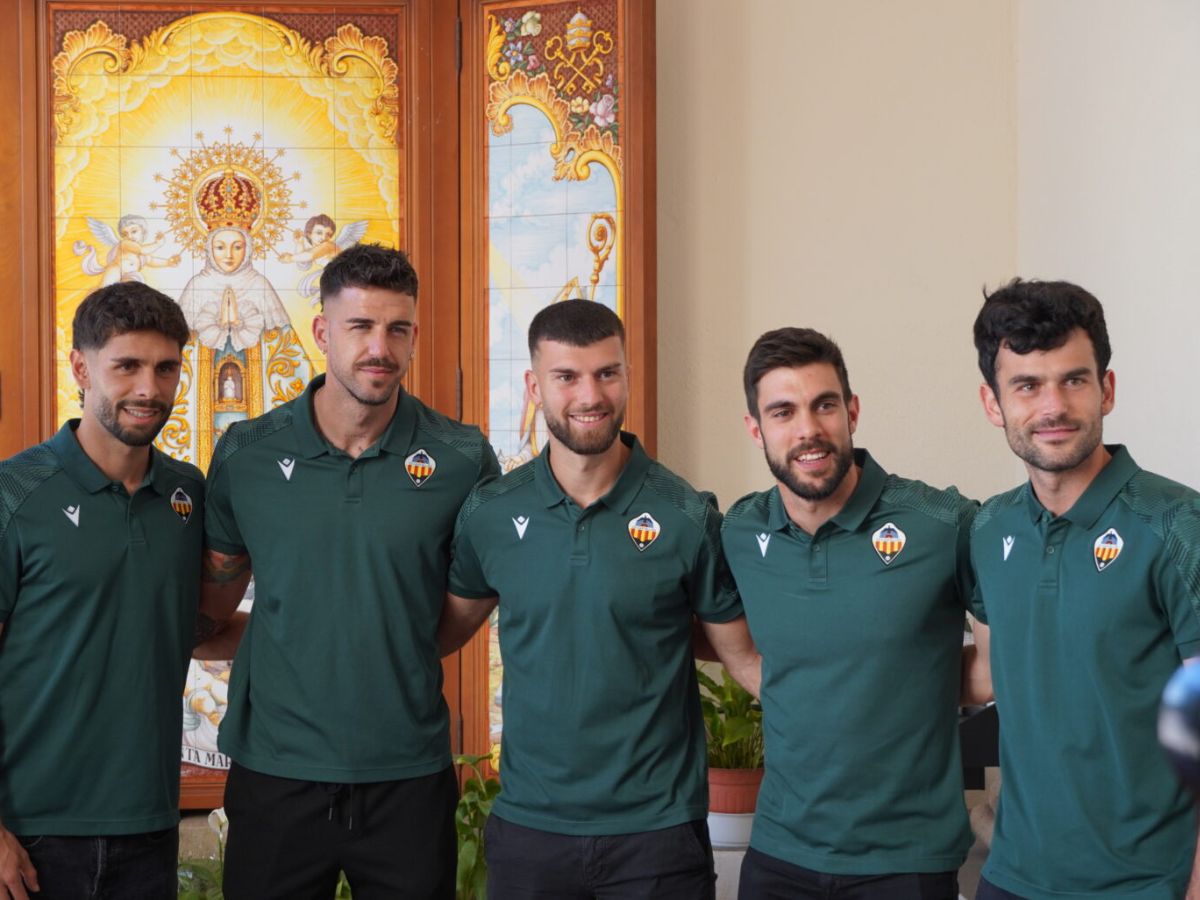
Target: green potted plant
[733,725]
[473,808]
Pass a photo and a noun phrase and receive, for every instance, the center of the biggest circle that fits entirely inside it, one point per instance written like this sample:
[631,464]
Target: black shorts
[289,839]
[668,864]
[765,877]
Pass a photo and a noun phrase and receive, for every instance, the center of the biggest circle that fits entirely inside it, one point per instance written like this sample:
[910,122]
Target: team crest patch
[888,541]
[420,467]
[182,504]
[644,530]
[1107,548]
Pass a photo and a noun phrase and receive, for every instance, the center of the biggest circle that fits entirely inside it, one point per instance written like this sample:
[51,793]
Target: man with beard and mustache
[855,584]
[1089,576]
[342,502]
[599,558]
[100,544]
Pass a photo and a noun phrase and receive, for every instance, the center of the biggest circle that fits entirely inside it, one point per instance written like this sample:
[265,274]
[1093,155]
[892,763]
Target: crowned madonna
[244,357]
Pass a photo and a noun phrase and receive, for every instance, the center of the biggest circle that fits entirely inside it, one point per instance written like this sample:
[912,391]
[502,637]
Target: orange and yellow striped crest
[420,466]
[888,541]
[644,530]
[1107,548]
[182,504]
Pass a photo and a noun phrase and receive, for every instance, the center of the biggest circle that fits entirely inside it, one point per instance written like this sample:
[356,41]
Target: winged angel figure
[128,251]
[316,245]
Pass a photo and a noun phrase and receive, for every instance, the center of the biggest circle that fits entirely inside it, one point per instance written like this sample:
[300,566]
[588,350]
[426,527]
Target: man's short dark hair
[790,348]
[124,307]
[1037,315]
[577,323]
[369,266]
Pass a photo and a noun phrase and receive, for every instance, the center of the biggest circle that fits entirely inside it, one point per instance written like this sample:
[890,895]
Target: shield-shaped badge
[182,504]
[644,530]
[888,541]
[420,466]
[1107,548]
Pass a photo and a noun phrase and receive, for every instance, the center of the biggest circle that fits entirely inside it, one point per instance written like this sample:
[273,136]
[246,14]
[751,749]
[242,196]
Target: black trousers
[669,864]
[288,839]
[116,867]
[988,891]
[764,877]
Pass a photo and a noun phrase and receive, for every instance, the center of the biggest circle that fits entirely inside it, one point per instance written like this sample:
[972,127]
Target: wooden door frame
[640,252]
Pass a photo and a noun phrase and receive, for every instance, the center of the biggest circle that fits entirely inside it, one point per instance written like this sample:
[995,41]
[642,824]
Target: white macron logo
[286,466]
[763,540]
[1009,540]
[72,513]
[521,523]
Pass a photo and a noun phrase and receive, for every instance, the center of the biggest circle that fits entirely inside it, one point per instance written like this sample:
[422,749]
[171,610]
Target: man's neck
[810,515]
[1059,491]
[116,459]
[585,478]
[346,423]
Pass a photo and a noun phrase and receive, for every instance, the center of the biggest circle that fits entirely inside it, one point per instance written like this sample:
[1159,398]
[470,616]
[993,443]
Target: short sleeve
[711,591]
[466,572]
[489,466]
[964,570]
[10,568]
[1178,578]
[974,599]
[221,532]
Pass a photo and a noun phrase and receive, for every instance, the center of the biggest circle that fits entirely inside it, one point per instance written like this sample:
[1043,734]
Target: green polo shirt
[338,677]
[1090,614]
[98,594]
[860,628]
[602,725]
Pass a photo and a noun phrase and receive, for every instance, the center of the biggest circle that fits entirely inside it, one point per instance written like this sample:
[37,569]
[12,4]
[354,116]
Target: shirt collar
[395,438]
[619,497]
[1099,494]
[856,509]
[87,474]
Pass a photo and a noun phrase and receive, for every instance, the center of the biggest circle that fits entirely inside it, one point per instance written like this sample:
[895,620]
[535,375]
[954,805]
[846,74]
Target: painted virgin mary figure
[237,320]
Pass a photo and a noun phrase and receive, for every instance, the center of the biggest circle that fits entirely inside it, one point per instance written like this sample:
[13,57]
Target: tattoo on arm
[206,627]
[224,569]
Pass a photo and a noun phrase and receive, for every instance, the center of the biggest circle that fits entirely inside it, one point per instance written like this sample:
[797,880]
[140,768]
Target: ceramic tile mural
[223,158]
[554,198]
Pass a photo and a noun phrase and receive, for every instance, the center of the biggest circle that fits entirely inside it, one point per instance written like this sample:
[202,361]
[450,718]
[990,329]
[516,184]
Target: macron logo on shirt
[286,466]
[763,540]
[521,523]
[1009,540]
[72,513]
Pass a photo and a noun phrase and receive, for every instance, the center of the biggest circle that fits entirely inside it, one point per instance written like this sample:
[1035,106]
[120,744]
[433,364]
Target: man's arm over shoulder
[461,618]
[219,627]
[732,645]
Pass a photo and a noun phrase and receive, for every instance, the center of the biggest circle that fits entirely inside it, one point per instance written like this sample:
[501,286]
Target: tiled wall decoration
[223,158]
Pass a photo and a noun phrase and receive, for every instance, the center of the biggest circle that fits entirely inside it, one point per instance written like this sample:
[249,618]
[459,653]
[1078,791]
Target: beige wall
[1109,196]
[846,166]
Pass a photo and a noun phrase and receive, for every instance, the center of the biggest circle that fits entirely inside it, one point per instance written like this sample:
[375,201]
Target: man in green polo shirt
[1089,576]
[600,558]
[855,584]
[100,544]
[343,502]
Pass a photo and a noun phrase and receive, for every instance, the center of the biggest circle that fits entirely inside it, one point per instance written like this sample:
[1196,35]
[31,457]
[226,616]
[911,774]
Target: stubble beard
[108,415]
[591,445]
[821,490]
